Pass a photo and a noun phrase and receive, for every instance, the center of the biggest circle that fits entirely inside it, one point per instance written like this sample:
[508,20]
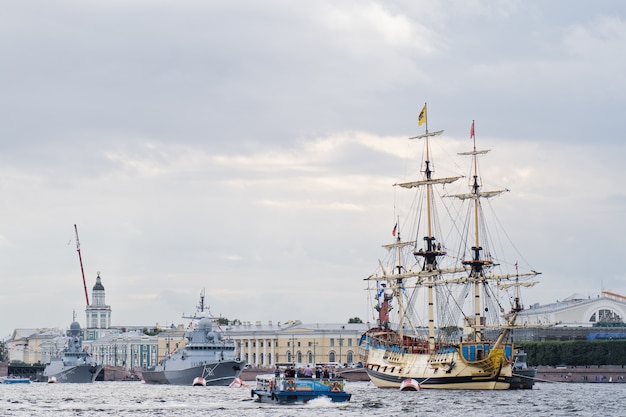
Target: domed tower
[74,329]
[98,313]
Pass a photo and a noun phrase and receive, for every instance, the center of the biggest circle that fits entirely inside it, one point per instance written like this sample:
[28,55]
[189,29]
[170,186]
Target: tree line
[575,352]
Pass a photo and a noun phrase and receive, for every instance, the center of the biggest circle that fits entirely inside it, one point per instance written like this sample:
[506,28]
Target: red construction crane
[81,264]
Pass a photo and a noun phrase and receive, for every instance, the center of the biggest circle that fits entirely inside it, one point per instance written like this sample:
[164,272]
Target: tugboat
[74,364]
[208,358]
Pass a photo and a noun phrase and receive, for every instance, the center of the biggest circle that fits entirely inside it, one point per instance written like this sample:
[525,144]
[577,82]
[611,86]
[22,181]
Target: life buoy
[335,386]
[291,385]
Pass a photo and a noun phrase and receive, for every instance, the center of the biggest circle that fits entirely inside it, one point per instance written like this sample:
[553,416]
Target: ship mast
[81,265]
[398,285]
[477,264]
[432,250]
[395,281]
[200,309]
[201,305]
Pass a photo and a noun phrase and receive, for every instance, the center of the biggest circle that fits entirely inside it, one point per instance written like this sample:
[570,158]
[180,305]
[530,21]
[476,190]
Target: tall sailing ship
[441,321]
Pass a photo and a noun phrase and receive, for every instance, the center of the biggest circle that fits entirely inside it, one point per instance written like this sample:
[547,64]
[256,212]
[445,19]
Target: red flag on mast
[472,130]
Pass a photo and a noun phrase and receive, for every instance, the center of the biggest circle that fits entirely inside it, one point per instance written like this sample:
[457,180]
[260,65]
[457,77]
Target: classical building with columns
[268,344]
[260,344]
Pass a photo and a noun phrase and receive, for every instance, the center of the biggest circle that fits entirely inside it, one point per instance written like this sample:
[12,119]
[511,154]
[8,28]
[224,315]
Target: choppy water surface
[137,399]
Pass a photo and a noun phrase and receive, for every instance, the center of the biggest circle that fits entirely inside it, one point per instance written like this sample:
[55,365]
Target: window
[332,343]
[608,316]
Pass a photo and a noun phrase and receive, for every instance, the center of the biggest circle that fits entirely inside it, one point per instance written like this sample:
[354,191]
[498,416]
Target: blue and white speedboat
[286,390]
[14,380]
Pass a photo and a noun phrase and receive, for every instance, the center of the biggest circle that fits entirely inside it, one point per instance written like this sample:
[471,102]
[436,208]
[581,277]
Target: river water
[137,399]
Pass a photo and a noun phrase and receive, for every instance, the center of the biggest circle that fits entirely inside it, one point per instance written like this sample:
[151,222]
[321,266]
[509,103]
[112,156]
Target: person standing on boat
[308,372]
[277,371]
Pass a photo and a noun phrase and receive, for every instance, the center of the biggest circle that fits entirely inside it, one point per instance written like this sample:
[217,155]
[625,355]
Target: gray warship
[74,364]
[208,358]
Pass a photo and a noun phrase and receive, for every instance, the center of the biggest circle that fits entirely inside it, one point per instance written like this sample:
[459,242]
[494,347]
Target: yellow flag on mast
[421,119]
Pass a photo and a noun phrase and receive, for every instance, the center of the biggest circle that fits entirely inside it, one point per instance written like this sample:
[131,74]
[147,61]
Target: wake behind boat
[463,340]
[208,358]
[74,364]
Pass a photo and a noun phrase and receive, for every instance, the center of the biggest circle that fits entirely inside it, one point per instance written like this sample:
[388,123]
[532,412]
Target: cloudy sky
[249,147]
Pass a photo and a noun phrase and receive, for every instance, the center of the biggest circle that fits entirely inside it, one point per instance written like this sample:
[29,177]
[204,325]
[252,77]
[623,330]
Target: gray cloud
[249,148]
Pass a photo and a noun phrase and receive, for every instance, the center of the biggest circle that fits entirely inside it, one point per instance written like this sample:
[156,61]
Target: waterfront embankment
[589,373]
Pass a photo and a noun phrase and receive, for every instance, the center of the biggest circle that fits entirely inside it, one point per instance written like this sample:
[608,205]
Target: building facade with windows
[98,313]
[265,345]
[293,342]
[130,350]
[606,309]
